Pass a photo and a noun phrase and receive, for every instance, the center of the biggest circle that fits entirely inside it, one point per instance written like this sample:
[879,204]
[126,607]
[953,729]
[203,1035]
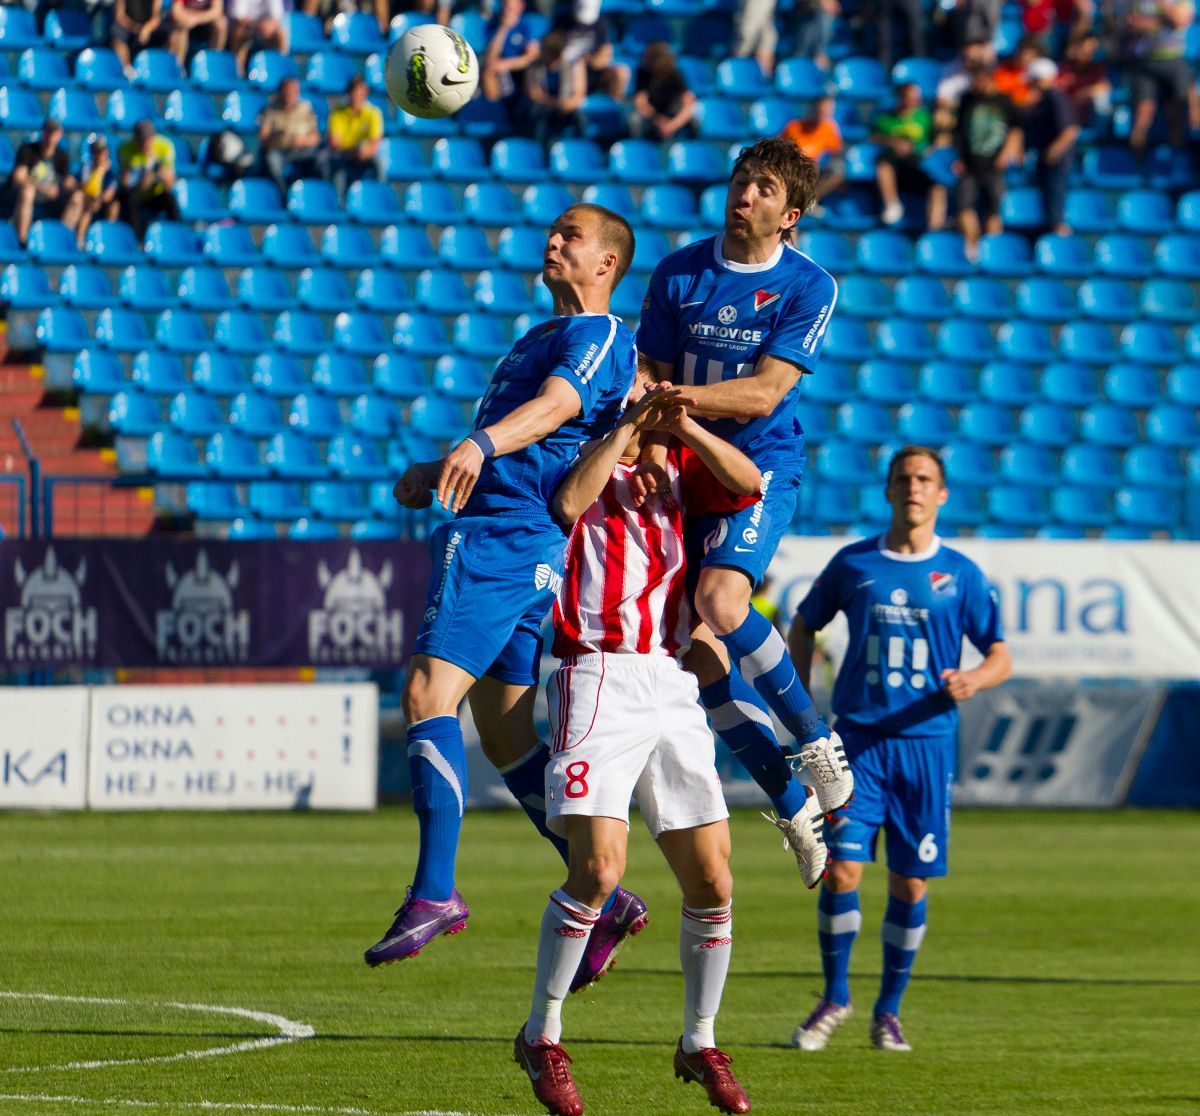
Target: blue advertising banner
[167,602]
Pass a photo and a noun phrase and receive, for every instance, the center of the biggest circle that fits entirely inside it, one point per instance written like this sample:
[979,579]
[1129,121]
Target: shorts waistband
[618,660]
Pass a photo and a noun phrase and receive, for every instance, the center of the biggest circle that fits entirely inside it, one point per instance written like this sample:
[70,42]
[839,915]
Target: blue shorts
[902,785]
[746,540]
[494,579]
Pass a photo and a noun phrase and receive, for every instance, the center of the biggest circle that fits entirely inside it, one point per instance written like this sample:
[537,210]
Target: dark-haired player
[909,601]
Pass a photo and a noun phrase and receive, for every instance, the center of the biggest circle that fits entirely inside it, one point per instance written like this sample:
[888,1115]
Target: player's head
[772,186]
[588,247]
[916,486]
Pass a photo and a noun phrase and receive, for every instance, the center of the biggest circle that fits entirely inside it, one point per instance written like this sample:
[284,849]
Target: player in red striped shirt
[626,720]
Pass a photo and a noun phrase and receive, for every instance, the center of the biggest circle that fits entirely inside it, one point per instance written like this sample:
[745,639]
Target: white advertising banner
[1093,609]
[259,747]
[43,747]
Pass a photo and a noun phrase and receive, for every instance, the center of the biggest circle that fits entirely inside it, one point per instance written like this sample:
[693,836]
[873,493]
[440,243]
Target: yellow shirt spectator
[159,155]
[349,129]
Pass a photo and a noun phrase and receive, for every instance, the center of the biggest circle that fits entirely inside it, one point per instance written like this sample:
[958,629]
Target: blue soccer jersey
[908,614]
[595,354]
[711,319]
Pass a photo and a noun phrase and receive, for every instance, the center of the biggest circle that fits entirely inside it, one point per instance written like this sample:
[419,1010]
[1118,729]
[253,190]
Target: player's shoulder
[964,566]
[854,553]
[599,329]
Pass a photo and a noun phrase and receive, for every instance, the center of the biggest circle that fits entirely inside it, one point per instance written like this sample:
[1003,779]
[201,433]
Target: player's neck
[569,302]
[901,539]
[749,251]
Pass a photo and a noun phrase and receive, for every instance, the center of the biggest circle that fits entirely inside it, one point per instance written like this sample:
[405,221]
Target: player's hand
[648,479]
[679,396]
[959,684]
[667,416]
[646,412]
[460,471]
[412,489]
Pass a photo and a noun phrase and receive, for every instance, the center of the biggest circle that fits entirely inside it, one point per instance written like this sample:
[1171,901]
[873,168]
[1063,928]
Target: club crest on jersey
[942,583]
[727,315]
[763,299]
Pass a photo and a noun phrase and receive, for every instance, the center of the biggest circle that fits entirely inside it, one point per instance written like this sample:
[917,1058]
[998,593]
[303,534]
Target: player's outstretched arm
[801,643]
[995,668]
[554,404]
[747,397]
[726,462]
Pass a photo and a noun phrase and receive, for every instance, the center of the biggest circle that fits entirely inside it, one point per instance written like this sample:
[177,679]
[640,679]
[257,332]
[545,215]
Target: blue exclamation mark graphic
[346,724]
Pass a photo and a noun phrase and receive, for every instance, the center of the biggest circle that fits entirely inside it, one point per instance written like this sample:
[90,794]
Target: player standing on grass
[735,320]
[498,564]
[909,601]
[627,721]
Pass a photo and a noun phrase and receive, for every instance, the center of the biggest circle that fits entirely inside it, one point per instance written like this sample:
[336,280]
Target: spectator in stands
[589,37]
[1012,74]
[815,23]
[663,105]
[289,142]
[1050,129]
[882,15]
[1051,19]
[820,138]
[903,135]
[355,130]
[98,187]
[147,176]
[137,24]
[1084,79]
[1152,35]
[200,21]
[988,141]
[554,92]
[754,32]
[41,184]
[387,10]
[256,24]
[512,48]
[974,21]
[956,80]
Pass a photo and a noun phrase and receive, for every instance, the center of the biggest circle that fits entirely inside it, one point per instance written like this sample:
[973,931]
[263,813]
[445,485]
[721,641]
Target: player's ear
[790,218]
[608,263]
[943,496]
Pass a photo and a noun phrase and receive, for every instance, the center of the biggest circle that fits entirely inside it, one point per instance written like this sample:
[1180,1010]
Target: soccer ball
[431,71]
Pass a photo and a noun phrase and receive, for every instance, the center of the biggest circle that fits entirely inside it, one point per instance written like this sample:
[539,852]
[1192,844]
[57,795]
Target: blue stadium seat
[313,201]
[1107,424]
[256,201]
[1178,256]
[420,335]
[199,200]
[173,244]
[316,415]
[25,287]
[1088,464]
[637,161]
[299,332]
[340,375]
[120,330]
[126,107]
[250,529]
[1170,425]
[1006,255]
[321,289]
[861,79]
[1045,298]
[242,108]
[466,248]
[925,73]
[437,417]
[614,196]
[860,421]
[845,463]
[277,374]
[835,383]
[68,29]
[195,414]
[1133,385]
[860,162]
[847,339]
[884,252]
[1124,255]
[213,500]
[20,110]
[339,500]
[1149,212]
[1048,424]
[288,246]
[84,287]
[941,253]
[133,414]
[373,203]
[1081,507]
[61,330]
[481,335]
[218,373]
[864,296]
[1153,467]
[402,159]
[945,381]
[328,72]
[1191,343]
[1150,508]
[719,118]
[459,159]
[307,529]
[112,244]
[1067,256]
[1090,211]
[96,372]
[407,248]
[256,415]
[515,159]
[1018,505]
[501,292]
[240,331]
[1087,342]
[965,340]
[158,371]
[1152,343]
[276,500]
[801,79]
[982,297]
[578,161]
[938,164]
[712,205]
[188,112]
[1008,383]
[742,79]
[1025,341]
[215,72]
[818,425]
[1022,209]
[695,161]
[1073,385]
[521,247]
[1187,211]
[398,376]
[8,156]
[1111,168]
[173,454]
[230,453]
[434,203]
[492,204]
[834,250]
[17,29]
[157,71]
[52,243]
[925,424]
[374,416]
[349,247]
[360,333]
[265,69]
[1028,463]
[770,115]
[261,288]
[228,246]
[382,290]
[42,68]
[904,339]
[885,381]
[1109,300]
[669,206]
[442,291]
[357,33]
[987,423]
[1169,300]
[76,110]
[1183,385]
[833,504]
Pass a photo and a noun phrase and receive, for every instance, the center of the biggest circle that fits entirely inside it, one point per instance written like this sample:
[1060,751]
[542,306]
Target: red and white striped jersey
[624,589]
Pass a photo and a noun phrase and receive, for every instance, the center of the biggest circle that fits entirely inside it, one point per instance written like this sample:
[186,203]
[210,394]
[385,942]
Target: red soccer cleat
[548,1067]
[710,1067]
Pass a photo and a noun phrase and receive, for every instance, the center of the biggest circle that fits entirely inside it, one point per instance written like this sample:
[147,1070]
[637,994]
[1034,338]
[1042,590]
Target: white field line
[198,1106]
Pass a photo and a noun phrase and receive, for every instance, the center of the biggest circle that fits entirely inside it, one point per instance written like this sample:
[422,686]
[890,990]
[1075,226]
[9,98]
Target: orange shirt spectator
[817,135]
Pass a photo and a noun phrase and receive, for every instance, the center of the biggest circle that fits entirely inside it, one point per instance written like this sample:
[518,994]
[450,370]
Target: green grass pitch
[1060,974]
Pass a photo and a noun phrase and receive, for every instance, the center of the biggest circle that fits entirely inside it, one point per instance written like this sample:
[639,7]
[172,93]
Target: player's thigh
[852,833]
[503,713]
[699,859]
[918,821]
[603,728]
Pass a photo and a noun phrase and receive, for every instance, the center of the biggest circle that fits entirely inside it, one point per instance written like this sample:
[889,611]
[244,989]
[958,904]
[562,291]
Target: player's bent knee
[908,889]
[844,875]
[721,604]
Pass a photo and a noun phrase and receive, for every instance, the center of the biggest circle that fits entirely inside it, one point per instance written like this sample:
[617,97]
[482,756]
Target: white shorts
[626,725]
[256,10]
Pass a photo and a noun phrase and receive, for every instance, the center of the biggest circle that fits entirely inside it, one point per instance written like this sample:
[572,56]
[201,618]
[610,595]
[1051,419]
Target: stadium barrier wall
[254,747]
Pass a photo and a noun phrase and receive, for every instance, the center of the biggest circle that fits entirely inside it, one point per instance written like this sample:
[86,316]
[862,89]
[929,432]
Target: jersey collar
[896,556]
[741,268]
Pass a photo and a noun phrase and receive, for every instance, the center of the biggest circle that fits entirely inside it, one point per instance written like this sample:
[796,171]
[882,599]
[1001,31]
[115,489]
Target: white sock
[705,942]
[566,926]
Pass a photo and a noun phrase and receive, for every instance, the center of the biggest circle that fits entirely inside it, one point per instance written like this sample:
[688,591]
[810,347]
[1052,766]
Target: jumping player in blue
[497,566]
[909,601]
[735,321]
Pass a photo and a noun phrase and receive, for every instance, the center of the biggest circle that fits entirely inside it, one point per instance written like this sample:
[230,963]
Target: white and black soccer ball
[431,71]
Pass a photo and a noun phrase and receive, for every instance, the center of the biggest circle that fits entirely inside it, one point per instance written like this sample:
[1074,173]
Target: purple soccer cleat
[418,922]
[625,920]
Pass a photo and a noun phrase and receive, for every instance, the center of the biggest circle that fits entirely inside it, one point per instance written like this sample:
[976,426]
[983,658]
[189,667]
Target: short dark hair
[782,158]
[905,452]
[616,234]
[355,82]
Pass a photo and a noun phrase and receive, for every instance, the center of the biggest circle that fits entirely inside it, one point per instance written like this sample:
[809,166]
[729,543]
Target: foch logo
[355,624]
[203,624]
[51,624]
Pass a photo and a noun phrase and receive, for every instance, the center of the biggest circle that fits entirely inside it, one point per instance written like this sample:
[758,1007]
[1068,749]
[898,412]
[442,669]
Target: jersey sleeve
[591,359]
[656,336]
[703,493]
[824,599]
[981,612]
[799,334]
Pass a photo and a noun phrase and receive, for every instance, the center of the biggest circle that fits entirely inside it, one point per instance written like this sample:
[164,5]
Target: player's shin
[526,780]
[902,932]
[437,763]
[705,944]
[839,919]
[566,926]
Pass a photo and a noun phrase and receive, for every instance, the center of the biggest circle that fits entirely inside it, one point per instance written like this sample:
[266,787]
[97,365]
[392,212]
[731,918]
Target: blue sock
[526,779]
[902,931]
[839,920]
[740,718]
[437,762]
[762,657]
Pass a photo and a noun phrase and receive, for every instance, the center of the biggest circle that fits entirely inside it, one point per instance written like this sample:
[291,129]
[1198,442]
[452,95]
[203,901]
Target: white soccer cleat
[814,1033]
[825,762]
[804,835]
[886,1033]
